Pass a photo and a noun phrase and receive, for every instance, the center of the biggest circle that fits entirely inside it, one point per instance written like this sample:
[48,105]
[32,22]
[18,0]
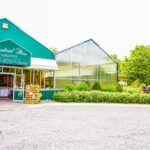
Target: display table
[4,92]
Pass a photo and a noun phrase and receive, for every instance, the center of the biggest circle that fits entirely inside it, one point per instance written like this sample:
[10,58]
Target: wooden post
[30,76]
[40,78]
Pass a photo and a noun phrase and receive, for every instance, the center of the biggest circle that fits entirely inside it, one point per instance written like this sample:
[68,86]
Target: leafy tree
[54,49]
[114,56]
[137,65]
[120,63]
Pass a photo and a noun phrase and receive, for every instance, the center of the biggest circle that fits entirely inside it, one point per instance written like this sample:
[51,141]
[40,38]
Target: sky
[116,25]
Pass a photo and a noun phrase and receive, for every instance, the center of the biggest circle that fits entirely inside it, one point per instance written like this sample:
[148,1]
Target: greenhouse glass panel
[86,62]
[61,83]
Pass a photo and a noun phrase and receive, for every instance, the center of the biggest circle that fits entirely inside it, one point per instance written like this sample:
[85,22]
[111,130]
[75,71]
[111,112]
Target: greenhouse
[85,62]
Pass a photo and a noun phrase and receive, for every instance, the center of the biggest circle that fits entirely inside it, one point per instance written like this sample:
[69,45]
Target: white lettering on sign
[18,51]
[8,56]
[5,50]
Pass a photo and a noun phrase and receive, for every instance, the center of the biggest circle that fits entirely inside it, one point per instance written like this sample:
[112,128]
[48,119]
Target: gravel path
[56,126]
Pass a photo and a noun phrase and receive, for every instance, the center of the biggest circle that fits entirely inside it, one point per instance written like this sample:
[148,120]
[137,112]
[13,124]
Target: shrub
[131,90]
[82,87]
[96,86]
[40,95]
[99,96]
[70,87]
[136,84]
[110,88]
[119,88]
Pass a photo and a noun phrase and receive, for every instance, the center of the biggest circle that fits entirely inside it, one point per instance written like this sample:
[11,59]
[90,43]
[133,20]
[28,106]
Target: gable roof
[15,34]
[86,42]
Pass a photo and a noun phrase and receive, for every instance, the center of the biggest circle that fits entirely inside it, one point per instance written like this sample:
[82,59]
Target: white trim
[39,63]
[46,65]
[19,101]
[54,80]
[14,81]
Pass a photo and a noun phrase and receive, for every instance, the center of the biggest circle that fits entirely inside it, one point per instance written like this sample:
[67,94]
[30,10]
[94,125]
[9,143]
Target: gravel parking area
[57,126]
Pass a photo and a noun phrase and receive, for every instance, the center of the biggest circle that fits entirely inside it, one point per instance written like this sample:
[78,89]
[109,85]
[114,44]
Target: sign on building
[11,53]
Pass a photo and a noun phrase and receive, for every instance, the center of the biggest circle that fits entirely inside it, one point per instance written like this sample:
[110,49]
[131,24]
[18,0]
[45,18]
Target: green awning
[12,54]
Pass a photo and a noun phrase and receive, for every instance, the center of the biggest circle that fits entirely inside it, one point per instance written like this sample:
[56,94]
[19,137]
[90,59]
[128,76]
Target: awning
[39,63]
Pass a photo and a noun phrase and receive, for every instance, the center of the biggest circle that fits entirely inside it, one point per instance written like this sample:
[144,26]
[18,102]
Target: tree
[54,49]
[119,61]
[137,65]
[114,56]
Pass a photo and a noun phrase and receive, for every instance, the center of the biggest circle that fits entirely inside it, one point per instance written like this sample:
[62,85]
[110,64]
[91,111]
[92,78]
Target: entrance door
[6,86]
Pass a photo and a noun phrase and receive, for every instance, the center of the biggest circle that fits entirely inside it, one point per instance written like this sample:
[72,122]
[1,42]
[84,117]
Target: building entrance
[6,86]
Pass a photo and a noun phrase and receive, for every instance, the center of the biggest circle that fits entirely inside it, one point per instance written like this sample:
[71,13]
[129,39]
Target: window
[49,79]
[19,81]
[28,76]
[9,70]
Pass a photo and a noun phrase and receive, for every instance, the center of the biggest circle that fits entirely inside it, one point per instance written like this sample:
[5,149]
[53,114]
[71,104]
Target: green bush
[82,87]
[70,87]
[136,84]
[96,86]
[99,96]
[109,88]
[119,88]
[130,89]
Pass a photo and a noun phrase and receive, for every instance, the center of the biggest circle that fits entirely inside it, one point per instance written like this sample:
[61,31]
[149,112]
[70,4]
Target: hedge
[99,96]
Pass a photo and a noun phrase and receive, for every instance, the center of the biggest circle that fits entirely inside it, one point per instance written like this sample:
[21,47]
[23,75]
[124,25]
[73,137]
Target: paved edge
[86,104]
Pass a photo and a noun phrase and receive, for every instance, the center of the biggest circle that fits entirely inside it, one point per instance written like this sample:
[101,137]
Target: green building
[25,61]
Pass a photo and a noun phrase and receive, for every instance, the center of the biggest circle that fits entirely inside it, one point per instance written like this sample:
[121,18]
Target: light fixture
[5,25]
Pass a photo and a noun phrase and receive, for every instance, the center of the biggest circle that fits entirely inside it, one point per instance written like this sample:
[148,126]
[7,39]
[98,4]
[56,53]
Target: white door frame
[14,77]
[22,83]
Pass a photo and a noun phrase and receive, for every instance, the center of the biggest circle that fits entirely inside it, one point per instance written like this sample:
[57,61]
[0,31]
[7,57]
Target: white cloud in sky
[116,25]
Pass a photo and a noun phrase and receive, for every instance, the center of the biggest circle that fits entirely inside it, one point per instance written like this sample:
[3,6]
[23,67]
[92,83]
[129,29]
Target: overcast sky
[116,25]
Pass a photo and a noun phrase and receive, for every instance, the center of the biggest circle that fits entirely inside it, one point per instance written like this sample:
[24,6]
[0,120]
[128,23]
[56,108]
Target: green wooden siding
[18,95]
[46,94]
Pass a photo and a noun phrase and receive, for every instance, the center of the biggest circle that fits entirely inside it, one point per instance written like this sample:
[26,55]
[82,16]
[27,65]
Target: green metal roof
[15,34]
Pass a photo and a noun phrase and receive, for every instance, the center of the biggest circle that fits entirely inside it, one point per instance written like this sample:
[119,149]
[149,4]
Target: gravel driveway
[57,126]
